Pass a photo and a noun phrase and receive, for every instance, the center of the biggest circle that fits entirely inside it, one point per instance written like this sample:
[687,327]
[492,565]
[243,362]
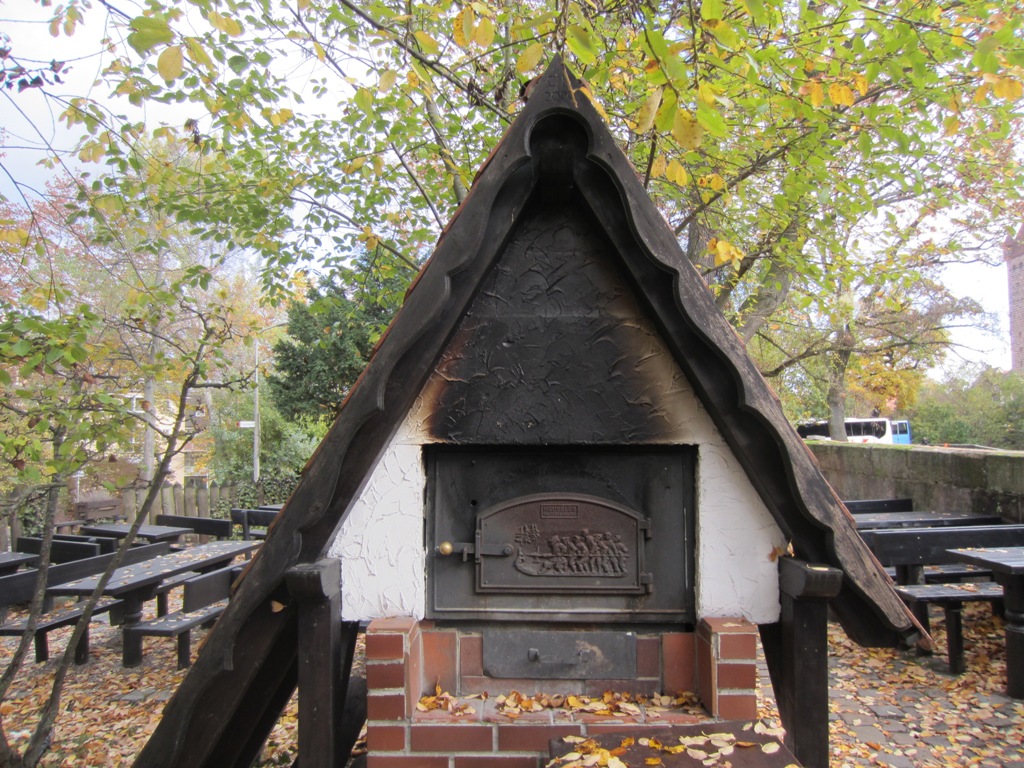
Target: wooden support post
[326,647]
[796,650]
[1013,598]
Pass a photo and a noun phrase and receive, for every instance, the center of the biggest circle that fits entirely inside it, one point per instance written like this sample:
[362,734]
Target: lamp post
[256,406]
[256,420]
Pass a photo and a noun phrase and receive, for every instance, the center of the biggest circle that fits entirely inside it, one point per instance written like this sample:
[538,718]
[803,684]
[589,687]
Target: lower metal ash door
[559,655]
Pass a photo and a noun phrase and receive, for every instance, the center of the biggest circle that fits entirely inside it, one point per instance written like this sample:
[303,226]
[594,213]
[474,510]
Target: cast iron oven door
[558,543]
[561,534]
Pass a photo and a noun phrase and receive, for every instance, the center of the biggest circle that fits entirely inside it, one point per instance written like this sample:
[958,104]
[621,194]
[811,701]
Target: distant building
[1013,253]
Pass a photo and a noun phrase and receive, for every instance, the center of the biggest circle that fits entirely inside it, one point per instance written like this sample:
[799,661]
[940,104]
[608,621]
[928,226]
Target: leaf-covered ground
[109,711]
[893,708]
[888,708]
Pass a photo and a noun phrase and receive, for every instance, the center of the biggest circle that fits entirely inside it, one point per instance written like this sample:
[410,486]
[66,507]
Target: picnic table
[135,584]
[921,519]
[12,561]
[151,533]
[1007,566]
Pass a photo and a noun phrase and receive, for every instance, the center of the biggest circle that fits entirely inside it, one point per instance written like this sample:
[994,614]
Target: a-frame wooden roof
[245,671]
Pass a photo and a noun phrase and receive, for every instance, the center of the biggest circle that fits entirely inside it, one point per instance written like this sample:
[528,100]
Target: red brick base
[406,660]
[727,668]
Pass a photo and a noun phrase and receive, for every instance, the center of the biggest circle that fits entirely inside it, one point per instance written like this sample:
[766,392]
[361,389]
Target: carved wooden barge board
[245,671]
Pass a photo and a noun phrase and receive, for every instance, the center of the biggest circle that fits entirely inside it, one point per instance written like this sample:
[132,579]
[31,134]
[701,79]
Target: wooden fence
[193,499]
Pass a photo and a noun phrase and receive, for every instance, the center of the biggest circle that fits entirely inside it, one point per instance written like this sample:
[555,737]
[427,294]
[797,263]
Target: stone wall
[955,479]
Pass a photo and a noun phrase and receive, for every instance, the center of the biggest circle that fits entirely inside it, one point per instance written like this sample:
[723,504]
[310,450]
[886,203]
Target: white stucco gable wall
[383,557]
[381,543]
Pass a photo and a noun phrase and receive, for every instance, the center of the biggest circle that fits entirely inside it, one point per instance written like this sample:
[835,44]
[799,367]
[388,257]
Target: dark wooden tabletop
[11,561]
[921,519]
[154,533]
[148,572]
[1009,560]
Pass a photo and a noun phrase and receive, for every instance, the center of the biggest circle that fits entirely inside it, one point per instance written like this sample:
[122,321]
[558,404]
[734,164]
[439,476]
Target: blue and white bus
[874,430]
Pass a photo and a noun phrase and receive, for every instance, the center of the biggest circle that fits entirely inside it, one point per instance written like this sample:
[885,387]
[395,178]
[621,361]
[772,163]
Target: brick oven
[560,474]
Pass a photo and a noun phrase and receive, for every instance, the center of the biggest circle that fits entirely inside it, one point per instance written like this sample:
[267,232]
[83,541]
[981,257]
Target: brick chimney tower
[1013,254]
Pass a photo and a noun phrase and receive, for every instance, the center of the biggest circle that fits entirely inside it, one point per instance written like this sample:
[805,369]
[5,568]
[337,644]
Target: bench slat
[205,526]
[55,620]
[968,592]
[61,550]
[859,506]
[204,599]
[928,546]
[174,623]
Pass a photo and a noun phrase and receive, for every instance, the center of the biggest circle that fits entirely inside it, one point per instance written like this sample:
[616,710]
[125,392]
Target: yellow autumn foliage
[725,252]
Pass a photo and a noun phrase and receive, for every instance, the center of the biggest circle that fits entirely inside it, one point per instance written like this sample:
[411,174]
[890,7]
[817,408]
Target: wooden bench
[204,599]
[20,587]
[909,550]
[163,591]
[64,617]
[61,551]
[93,511]
[250,519]
[204,526]
[947,574]
[857,506]
[952,598]
[106,544]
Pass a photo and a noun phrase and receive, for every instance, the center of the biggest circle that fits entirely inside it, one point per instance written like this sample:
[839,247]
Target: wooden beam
[796,649]
[326,648]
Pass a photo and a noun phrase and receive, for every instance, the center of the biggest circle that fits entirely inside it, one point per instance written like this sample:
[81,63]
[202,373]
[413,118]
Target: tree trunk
[836,395]
[769,296]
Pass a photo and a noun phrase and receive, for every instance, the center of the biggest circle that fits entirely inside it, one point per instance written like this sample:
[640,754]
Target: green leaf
[364,100]
[238,64]
[426,41]
[756,10]
[725,34]
[864,144]
[581,44]
[529,58]
[645,115]
[387,79]
[197,53]
[225,24]
[712,121]
[148,32]
[712,9]
[171,63]
[666,115]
